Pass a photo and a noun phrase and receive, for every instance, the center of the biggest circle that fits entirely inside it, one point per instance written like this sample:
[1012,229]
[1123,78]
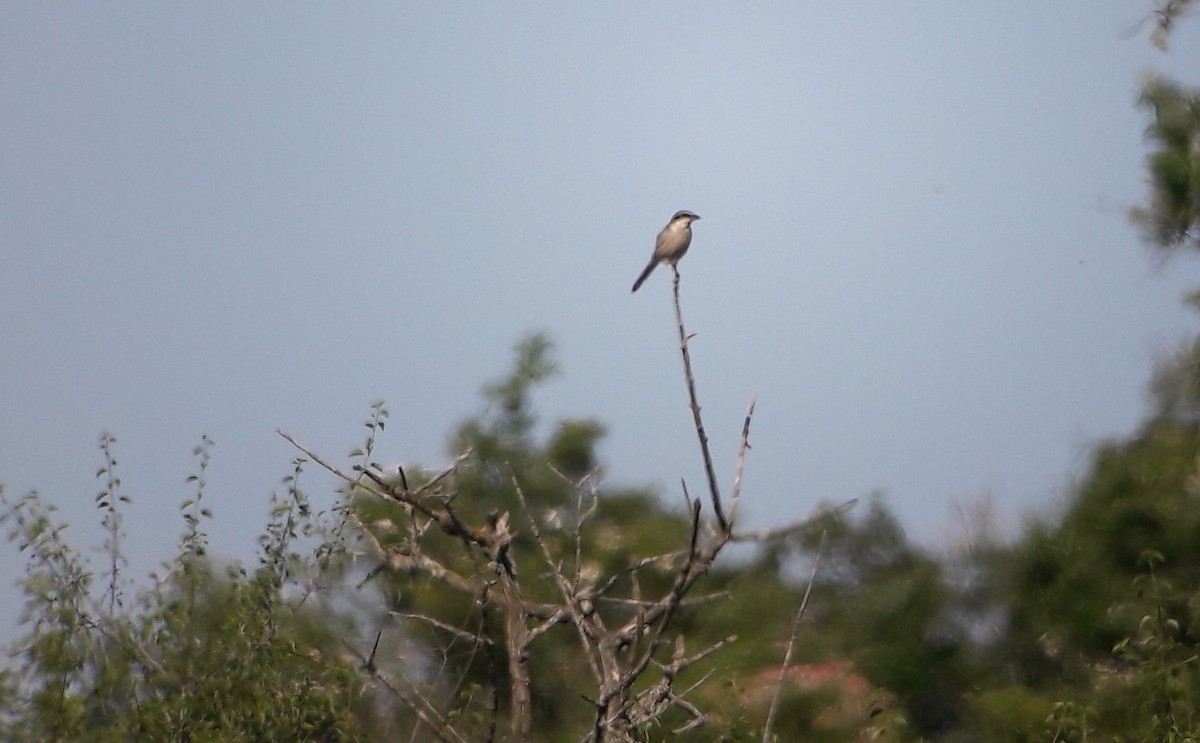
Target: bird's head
[684,217]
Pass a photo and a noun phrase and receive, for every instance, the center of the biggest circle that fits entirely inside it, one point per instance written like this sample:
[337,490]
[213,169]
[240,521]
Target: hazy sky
[224,218]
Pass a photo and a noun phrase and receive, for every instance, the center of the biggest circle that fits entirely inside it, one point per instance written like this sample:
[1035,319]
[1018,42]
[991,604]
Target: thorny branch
[713,489]
[621,642]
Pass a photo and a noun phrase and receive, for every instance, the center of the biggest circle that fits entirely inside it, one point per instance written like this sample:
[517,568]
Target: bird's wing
[658,242]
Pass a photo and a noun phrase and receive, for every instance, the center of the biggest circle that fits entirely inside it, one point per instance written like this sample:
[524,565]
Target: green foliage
[886,604]
[1103,607]
[1069,583]
[201,655]
[1175,385]
[1013,714]
[890,651]
[1155,694]
[1174,164]
[558,476]
[1070,722]
[502,445]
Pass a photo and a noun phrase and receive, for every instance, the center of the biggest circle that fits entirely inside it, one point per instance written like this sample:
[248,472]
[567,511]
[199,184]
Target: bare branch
[411,697]
[763,535]
[622,636]
[713,489]
[686,602]
[314,456]
[459,633]
[787,655]
[660,614]
[740,467]
[572,605]
[444,473]
[401,562]
[664,557]
[681,664]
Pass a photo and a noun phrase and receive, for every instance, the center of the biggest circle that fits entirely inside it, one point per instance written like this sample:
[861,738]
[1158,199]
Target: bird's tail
[644,276]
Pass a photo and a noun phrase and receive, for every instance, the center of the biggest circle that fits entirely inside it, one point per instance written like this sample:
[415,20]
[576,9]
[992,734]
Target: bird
[672,243]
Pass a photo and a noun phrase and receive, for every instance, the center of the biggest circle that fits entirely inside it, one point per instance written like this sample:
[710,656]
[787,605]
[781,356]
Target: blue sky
[226,218]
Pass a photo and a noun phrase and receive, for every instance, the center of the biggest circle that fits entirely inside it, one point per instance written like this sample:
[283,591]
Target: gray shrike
[671,244]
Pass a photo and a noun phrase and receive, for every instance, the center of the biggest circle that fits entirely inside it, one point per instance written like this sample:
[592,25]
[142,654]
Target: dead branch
[787,655]
[740,466]
[411,697]
[693,601]
[621,632]
[462,634]
[779,532]
[576,602]
[713,489]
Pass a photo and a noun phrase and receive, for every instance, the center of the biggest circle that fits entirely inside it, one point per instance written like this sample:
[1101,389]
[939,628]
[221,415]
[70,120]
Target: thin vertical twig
[787,655]
[740,467]
[709,470]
